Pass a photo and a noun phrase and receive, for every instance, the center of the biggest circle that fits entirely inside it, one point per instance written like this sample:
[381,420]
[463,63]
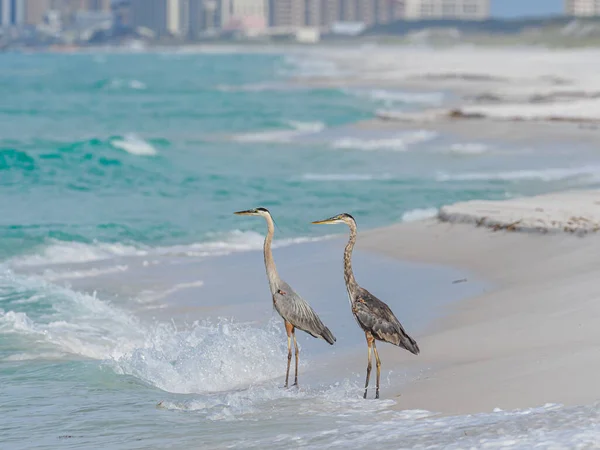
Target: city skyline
[191,19]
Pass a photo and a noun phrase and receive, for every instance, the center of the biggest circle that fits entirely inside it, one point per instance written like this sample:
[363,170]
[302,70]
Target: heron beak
[330,221]
[249,212]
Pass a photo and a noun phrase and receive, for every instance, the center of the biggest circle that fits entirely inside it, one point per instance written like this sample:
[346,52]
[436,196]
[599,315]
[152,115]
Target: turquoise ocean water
[220,130]
[113,163]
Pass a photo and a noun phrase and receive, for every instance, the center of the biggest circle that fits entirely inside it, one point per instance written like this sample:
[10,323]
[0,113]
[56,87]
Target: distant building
[390,10]
[199,17]
[248,15]
[71,7]
[99,5]
[582,8]
[287,13]
[348,10]
[36,10]
[93,19]
[173,17]
[447,9]
[163,17]
[11,13]
[328,12]
[122,13]
[325,13]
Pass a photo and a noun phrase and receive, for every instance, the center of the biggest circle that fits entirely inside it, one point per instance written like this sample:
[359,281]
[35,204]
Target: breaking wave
[282,136]
[467,149]
[419,214]
[345,177]
[201,357]
[591,173]
[391,98]
[118,84]
[62,252]
[134,145]
[399,142]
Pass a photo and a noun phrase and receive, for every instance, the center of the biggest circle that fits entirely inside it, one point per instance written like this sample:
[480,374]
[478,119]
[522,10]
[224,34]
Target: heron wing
[377,318]
[298,312]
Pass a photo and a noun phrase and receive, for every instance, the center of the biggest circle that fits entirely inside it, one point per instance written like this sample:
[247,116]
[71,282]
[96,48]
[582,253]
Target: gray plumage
[292,308]
[377,318]
[297,311]
[374,317]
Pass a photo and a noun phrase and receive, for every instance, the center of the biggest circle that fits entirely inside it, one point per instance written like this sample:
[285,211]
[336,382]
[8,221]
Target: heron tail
[328,336]
[409,344]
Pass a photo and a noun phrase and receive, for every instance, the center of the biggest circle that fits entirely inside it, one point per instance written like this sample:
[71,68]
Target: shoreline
[489,129]
[530,340]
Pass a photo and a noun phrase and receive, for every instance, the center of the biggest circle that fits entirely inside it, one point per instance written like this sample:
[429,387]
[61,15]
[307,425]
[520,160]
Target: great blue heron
[375,317]
[293,309]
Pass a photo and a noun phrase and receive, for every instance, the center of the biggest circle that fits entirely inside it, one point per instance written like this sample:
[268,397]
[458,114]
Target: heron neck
[269,262]
[348,273]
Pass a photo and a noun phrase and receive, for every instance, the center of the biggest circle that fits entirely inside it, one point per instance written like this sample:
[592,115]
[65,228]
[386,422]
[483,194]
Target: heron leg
[297,354]
[378,363]
[289,328]
[370,344]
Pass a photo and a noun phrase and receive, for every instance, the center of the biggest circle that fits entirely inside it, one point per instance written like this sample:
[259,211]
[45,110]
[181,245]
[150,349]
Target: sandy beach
[530,340]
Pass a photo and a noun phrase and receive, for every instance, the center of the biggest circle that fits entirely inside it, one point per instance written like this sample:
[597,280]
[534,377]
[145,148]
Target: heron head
[340,218]
[254,212]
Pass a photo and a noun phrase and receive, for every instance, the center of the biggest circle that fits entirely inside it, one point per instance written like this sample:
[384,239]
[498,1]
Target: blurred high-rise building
[330,12]
[35,11]
[287,13]
[389,10]
[244,14]
[447,9]
[163,17]
[349,10]
[366,11]
[69,7]
[582,7]
[324,13]
[122,13]
[197,17]
[12,13]
[99,5]
[313,13]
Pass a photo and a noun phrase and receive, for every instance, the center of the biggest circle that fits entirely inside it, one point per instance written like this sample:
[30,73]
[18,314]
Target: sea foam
[419,214]
[399,142]
[134,145]
[68,252]
[466,149]
[198,358]
[345,177]
[392,98]
[61,252]
[589,172]
[298,128]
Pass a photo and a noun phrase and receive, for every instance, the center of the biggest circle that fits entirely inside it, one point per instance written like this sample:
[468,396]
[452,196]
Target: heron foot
[377,393]
[296,385]
[365,395]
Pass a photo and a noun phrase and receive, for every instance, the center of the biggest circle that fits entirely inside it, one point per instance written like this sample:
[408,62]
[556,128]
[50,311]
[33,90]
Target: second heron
[375,317]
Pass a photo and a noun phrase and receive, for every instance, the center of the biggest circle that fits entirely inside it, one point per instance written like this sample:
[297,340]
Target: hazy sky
[513,8]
